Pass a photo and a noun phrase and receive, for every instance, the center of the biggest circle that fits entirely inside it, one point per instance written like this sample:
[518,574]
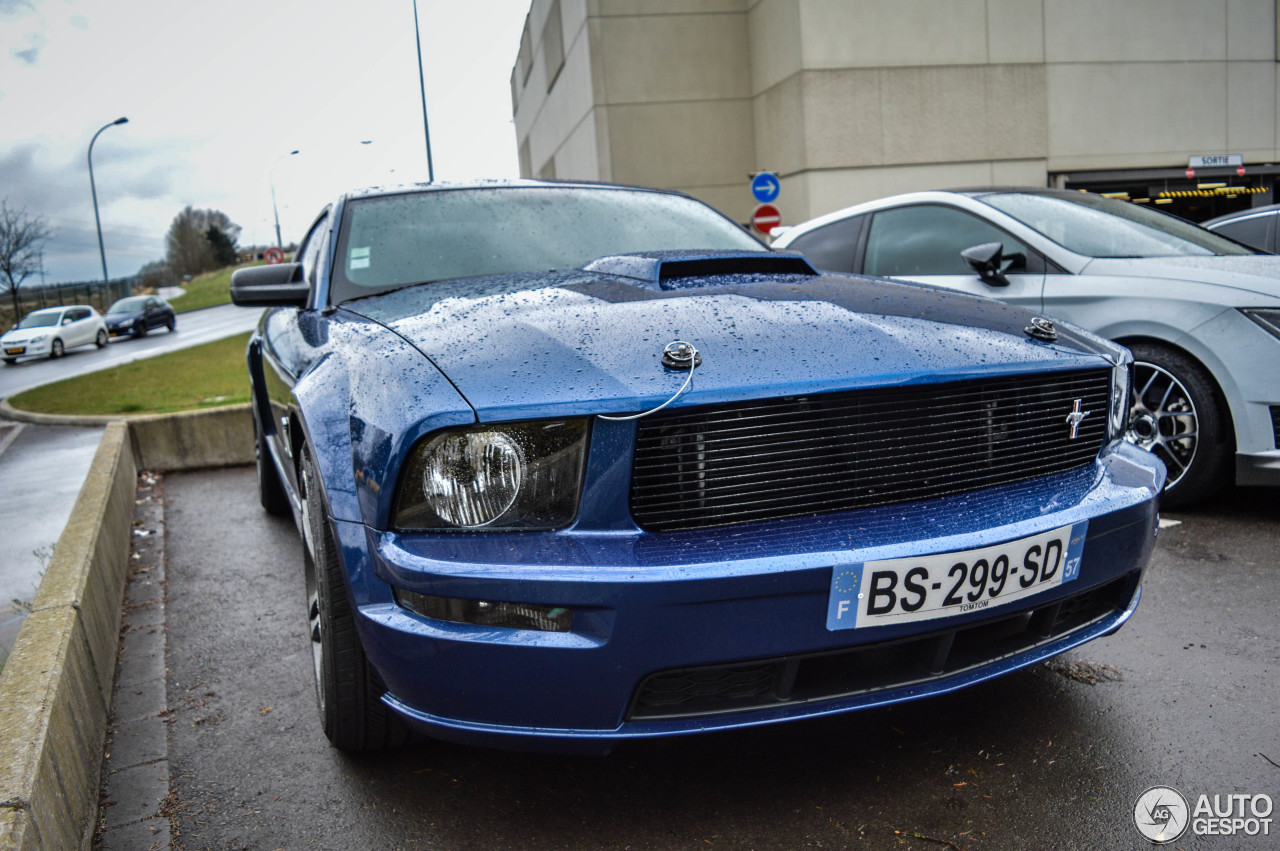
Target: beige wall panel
[774,33]
[1251,28]
[793,199]
[780,126]
[668,7]
[604,157]
[674,57]
[829,191]
[1019,173]
[578,156]
[1134,30]
[843,125]
[1135,114]
[1251,93]
[562,111]
[963,113]
[706,143]
[874,33]
[1015,31]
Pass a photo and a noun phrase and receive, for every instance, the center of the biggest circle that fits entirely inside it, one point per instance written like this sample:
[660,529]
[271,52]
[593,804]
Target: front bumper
[750,597]
[26,350]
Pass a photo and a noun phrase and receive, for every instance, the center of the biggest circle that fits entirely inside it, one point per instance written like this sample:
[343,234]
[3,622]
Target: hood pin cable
[678,354]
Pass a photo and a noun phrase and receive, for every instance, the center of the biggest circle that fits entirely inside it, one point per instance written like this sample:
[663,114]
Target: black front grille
[1275,423]
[714,689]
[799,456]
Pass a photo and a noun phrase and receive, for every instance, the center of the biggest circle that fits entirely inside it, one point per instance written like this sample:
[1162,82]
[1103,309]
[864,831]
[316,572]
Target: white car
[52,331]
[1200,313]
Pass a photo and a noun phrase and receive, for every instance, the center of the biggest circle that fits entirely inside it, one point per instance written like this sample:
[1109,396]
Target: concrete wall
[850,100]
[55,690]
[56,687]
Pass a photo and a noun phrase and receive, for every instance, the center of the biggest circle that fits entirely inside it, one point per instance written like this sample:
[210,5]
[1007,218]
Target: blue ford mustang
[577,463]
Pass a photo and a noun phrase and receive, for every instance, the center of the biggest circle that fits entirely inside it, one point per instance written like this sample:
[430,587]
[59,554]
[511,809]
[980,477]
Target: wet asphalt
[1186,695]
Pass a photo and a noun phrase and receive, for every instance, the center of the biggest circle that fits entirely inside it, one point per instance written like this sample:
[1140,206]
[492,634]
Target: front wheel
[101,340]
[172,324]
[56,348]
[140,329]
[348,691]
[1176,414]
[10,361]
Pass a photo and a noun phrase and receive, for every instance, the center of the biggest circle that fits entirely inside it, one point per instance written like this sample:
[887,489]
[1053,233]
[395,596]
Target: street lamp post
[275,212]
[422,87]
[94,189]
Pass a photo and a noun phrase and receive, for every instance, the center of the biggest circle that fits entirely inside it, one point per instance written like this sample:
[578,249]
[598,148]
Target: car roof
[520,183]
[1241,214]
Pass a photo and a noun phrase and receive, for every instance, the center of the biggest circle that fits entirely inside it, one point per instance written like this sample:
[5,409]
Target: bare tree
[190,250]
[22,238]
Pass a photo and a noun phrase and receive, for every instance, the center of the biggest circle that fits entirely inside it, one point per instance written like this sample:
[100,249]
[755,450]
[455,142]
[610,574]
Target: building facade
[851,100]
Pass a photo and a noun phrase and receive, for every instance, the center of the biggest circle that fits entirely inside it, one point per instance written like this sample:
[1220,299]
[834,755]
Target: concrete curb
[55,691]
[56,687]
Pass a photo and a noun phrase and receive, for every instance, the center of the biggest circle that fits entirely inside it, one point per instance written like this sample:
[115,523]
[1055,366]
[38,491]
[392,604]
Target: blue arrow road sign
[765,187]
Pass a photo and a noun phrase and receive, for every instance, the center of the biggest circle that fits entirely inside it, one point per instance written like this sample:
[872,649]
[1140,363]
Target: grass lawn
[206,290]
[207,376]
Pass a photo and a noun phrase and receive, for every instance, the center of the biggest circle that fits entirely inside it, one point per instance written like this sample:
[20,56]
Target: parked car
[1255,227]
[138,314]
[1200,313]
[53,330]
[576,464]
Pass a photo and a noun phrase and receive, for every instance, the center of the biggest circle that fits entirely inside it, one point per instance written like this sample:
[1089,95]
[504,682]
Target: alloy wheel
[1163,419]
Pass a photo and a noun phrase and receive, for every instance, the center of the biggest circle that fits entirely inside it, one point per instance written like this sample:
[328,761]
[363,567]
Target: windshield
[129,305]
[1104,227]
[42,319]
[394,240]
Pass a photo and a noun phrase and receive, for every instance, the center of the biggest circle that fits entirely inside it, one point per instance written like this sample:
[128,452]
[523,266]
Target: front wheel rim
[1163,419]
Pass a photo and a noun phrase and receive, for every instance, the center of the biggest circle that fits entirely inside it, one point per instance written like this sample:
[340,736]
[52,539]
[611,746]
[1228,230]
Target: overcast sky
[215,93]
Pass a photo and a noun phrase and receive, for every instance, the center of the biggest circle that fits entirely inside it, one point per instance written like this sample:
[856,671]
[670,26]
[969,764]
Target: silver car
[1200,313]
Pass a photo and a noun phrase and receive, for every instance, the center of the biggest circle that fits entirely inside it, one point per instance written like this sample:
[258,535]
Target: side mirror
[67,320]
[280,285]
[986,260]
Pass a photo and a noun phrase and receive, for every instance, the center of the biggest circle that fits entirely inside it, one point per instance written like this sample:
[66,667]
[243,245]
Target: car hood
[583,342]
[121,318]
[1253,274]
[22,335]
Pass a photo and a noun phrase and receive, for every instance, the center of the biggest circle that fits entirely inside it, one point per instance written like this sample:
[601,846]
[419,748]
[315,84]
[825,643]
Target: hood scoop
[678,270]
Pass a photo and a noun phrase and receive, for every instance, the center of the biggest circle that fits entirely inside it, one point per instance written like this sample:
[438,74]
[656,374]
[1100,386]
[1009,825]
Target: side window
[78,314]
[1251,231]
[310,251]
[831,247]
[928,239]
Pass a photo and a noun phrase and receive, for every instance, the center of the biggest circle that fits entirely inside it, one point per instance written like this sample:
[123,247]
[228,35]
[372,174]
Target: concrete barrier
[56,687]
[55,691]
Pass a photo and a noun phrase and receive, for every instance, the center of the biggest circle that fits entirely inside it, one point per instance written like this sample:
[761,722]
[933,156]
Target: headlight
[1118,406]
[1267,317]
[506,476]
[37,339]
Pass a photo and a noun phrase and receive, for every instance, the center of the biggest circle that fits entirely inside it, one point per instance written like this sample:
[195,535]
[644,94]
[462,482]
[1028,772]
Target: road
[1051,757]
[42,467]
[194,328]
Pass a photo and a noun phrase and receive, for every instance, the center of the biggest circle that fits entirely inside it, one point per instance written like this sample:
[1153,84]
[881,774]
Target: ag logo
[1161,814]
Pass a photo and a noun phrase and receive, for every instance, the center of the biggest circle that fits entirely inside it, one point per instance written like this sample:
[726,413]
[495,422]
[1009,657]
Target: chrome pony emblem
[1076,417]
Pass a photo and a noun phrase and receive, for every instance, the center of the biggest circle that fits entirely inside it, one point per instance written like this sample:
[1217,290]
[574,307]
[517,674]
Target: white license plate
[907,590]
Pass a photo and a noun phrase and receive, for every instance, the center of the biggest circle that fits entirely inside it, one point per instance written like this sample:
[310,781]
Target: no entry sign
[274,255]
[766,218]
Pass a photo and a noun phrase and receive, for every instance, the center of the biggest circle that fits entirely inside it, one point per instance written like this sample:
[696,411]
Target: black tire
[140,330]
[172,324]
[101,340]
[271,491]
[348,691]
[10,361]
[1178,414]
[56,349]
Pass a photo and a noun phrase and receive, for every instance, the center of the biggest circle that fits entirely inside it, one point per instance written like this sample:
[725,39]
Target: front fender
[362,405]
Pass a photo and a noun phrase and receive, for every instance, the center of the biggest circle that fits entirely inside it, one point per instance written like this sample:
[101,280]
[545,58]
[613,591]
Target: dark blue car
[576,464]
